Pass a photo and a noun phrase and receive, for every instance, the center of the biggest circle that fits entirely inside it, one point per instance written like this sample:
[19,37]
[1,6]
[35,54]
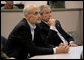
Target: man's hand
[63,44]
[52,22]
[11,58]
[73,45]
[62,49]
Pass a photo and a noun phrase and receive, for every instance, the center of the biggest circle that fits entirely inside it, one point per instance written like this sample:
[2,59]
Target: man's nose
[39,15]
[50,15]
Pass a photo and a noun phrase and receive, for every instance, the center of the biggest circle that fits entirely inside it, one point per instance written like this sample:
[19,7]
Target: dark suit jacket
[20,42]
[51,35]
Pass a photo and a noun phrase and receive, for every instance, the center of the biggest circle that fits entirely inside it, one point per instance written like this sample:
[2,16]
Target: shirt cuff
[53,28]
[71,42]
[54,49]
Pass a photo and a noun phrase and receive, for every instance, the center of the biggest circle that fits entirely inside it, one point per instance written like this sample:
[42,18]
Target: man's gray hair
[43,6]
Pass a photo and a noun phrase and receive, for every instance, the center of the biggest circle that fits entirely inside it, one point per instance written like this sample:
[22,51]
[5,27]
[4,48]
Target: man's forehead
[35,9]
[32,8]
[46,9]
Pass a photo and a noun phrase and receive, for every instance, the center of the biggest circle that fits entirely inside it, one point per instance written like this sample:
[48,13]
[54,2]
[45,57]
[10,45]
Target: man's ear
[26,15]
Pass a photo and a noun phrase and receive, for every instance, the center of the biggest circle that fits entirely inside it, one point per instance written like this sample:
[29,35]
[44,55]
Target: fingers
[52,22]
[64,47]
[63,44]
[73,45]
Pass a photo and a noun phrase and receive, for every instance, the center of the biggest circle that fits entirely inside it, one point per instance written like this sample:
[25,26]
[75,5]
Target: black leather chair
[3,42]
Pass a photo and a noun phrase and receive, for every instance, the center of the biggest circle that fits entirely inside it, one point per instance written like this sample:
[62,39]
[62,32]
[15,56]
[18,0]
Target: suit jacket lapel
[61,31]
[45,26]
[28,28]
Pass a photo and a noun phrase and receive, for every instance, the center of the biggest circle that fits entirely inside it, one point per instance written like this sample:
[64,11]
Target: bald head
[31,13]
[28,8]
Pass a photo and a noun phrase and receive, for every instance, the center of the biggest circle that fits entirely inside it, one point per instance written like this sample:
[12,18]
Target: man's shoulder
[21,24]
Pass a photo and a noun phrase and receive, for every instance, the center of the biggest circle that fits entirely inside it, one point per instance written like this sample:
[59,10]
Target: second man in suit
[51,29]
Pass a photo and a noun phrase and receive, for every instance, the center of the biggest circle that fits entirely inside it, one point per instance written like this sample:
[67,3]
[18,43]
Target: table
[74,53]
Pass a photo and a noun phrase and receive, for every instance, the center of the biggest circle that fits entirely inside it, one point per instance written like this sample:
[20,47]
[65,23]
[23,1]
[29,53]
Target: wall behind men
[71,21]
[74,4]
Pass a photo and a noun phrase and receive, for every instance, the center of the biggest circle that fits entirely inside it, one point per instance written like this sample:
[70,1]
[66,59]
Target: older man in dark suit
[52,29]
[25,40]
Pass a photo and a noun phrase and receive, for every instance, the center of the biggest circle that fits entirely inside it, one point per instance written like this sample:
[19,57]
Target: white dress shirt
[32,30]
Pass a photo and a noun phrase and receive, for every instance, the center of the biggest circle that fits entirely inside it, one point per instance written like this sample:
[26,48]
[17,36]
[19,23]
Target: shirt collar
[31,27]
[45,22]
